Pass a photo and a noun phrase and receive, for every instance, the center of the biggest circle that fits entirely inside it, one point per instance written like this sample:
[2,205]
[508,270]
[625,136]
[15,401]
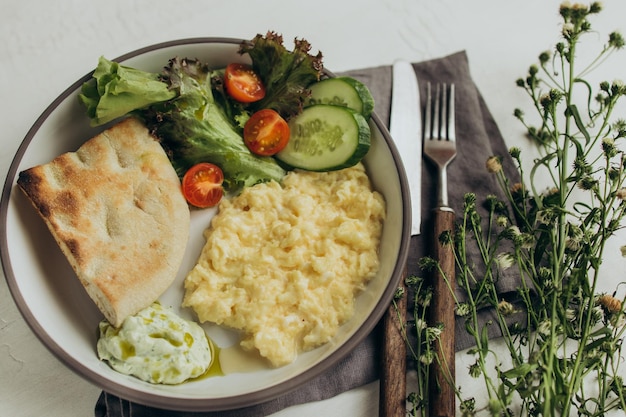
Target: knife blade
[405,126]
[405,129]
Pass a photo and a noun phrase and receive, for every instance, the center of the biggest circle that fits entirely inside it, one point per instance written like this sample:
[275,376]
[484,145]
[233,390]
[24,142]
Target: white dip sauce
[157,346]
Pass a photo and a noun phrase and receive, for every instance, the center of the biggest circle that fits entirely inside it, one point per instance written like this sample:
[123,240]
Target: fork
[440,148]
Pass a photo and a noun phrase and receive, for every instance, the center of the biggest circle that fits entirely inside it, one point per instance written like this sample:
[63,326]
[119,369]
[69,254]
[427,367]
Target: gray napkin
[478,137]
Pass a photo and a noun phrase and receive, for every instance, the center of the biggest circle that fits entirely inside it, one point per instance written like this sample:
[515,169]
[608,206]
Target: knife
[406,132]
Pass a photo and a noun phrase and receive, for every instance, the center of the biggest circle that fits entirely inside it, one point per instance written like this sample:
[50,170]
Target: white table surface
[47,45]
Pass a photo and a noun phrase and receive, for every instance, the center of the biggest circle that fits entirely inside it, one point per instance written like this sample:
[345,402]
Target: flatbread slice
[116,209]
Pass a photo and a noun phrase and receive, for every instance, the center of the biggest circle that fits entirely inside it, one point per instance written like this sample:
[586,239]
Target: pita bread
[116,209]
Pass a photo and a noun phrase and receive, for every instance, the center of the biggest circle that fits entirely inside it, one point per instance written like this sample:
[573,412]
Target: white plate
[58,310]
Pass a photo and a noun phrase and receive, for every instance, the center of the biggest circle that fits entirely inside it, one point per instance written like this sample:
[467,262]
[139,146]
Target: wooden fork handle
[392,398]
[442,393]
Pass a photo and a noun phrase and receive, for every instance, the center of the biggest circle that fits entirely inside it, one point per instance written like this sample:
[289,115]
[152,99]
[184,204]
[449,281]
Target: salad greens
[286,74]
[188,110]
[115,90]
[193,128]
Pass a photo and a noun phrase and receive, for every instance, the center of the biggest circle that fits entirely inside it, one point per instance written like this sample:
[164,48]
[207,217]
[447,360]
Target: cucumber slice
[326,138]
[343,91]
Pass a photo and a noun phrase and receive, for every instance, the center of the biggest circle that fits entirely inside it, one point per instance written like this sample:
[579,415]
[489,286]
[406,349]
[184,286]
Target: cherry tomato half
[243,84]
[266,132]
[202,185]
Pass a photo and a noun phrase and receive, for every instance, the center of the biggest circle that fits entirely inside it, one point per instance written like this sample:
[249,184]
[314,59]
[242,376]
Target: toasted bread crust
[116,210]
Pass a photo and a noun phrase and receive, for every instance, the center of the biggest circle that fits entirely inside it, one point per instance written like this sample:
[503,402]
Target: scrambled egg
[283,263]
[157,346]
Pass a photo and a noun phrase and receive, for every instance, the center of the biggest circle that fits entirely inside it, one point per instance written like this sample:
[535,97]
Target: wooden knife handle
[392,399]
[442,393]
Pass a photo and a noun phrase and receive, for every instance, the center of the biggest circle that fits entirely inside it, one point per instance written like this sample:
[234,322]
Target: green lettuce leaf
[116,90]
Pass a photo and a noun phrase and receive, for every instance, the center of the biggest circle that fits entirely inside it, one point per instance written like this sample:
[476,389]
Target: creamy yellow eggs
[157,346]
[283,263]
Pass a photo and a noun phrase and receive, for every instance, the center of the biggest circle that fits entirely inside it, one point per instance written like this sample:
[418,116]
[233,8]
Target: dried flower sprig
[566,355]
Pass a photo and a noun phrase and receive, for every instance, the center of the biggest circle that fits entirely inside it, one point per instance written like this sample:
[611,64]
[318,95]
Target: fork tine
[428,114]
[451,119]
[437,115]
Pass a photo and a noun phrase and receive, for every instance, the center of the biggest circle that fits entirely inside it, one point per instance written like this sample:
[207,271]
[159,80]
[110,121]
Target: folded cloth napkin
[478,137]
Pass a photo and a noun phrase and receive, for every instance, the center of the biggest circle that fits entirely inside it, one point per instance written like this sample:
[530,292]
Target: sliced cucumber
[343,91]
[326,138]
